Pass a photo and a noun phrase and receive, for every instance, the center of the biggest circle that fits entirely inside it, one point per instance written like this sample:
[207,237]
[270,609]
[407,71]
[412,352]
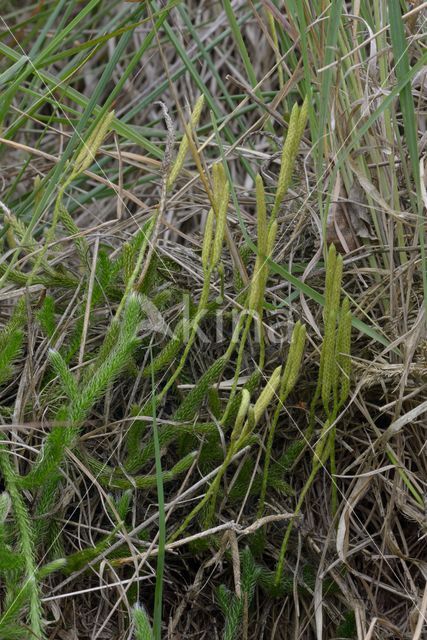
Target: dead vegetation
[141,336]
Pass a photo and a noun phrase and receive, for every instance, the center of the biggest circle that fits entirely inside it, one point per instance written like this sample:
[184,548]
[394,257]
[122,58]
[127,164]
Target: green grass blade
[403,71]
[237,35]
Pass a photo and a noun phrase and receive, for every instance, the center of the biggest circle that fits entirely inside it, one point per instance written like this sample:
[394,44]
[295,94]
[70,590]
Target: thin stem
[283,549]
[158,596]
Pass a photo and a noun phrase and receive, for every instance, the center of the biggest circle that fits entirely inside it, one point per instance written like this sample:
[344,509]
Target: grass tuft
[213,287]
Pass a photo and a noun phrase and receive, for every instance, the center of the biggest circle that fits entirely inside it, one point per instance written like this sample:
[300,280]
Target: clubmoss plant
[81,398]
[185,144]
[332,388]
[287,383]
[246,421]
[143,629]
[235,608]
[81,162]
[139,362]
[266,236]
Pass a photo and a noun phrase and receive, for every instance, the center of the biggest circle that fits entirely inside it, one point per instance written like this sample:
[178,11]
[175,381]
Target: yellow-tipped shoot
[87,153]
[265,245]
[255,412]
[212,244]
[293,362]
[241,414]
[267,394]
[328,359]
[207,240]
[297,123]
[343,353]
[221,196]
[185,144]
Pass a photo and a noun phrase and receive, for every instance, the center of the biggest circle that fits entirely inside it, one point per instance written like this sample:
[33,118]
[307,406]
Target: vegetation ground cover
[213,290]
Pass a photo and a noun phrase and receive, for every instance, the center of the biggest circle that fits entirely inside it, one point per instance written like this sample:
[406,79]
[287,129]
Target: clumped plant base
[212,321]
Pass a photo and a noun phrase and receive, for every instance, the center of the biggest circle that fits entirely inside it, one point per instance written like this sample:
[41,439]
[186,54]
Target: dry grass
[360,572]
